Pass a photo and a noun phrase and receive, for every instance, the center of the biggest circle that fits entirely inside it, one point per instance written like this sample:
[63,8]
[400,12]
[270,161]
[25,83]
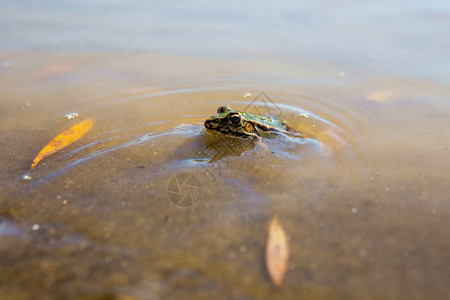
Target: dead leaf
[53,70]
[380,96]
[277,252]
[64,139]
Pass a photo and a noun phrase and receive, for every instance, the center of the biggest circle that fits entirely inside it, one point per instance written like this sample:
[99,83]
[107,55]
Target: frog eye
[222,109]
[235,118]
[249,127]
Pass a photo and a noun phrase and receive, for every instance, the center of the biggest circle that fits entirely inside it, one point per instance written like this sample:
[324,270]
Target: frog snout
[208,124]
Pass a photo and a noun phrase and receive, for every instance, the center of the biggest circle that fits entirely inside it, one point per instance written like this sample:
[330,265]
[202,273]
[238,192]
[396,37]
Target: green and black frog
[239,132]
[247,125]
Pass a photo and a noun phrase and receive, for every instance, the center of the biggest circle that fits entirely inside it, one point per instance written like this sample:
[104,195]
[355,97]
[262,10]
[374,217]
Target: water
[365,205]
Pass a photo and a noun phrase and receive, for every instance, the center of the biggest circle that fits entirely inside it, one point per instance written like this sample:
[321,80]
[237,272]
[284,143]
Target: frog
[246,125]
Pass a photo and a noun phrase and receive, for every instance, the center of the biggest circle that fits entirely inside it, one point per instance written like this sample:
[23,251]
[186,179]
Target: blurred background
[400,38]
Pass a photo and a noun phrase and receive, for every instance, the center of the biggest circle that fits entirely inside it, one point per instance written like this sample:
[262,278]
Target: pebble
[71,116]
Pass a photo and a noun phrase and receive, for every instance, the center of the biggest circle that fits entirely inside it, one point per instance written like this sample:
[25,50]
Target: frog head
[232,123]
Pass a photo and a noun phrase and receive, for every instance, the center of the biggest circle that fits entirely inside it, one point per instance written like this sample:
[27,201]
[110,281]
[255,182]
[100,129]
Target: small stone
[71,116]
[303,115]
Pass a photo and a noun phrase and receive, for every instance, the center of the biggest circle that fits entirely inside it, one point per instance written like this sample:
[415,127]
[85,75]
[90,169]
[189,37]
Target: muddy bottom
[147,206]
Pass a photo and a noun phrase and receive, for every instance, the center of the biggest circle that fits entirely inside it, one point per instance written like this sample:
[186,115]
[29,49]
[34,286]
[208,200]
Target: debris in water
[71,116]
[64,139]
[303,115]
[277,252]
[382,96]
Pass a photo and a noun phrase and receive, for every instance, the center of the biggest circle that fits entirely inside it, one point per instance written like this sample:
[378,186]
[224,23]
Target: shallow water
[365,206]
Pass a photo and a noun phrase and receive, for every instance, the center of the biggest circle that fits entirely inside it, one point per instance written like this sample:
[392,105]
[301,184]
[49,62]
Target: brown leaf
[52,70]
[277,252]
[382,96]
[64,139]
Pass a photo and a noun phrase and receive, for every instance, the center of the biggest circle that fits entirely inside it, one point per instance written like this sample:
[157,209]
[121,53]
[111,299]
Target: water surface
[365,206]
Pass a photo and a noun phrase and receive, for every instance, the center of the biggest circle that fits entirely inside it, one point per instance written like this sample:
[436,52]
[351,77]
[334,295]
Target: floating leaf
[53,70]
[277,252]
[382,96]
[64,139]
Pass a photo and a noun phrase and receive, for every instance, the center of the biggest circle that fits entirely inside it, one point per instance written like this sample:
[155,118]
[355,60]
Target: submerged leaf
[382,96]
[277,252]
[53,70]
[64,139]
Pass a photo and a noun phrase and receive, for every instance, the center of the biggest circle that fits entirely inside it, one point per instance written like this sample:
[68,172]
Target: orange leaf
[58,69]
[277,252]
[64,139]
